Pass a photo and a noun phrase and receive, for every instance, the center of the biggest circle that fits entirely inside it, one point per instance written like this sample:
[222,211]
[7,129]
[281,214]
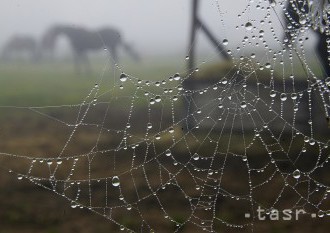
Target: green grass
[44,84]
[57,83]
[28,85]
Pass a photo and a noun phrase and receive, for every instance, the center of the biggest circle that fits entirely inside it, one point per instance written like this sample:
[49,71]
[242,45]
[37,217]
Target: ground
[39,132]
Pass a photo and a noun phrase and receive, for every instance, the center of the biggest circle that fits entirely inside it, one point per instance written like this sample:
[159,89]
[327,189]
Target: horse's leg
[114,57]
[77,61]
[34,55]
[130,51]
[4,54]
[85,62]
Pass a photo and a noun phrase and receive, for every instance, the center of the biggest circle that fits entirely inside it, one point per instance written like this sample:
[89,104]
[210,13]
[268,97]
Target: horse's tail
[128,48]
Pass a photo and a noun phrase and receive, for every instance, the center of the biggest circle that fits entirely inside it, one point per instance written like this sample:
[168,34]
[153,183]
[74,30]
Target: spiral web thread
[184,152]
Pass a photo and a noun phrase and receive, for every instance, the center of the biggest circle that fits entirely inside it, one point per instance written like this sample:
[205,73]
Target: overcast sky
[152,26]
[149,24]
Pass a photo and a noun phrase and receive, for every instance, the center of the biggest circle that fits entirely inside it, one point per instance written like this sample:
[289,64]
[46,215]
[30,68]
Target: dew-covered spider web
[202,149]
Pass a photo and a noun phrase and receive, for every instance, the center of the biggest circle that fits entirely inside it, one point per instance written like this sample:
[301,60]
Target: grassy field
[57,83]
[28,130]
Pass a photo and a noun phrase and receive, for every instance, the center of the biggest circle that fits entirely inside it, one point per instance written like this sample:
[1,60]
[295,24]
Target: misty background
[152,27]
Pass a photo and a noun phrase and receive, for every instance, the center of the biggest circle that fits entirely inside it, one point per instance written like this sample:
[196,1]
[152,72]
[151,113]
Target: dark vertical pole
[213,40]
[194,26]
[322,48]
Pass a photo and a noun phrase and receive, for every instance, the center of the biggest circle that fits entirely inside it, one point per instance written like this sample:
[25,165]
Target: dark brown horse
[20,46]
[83,41]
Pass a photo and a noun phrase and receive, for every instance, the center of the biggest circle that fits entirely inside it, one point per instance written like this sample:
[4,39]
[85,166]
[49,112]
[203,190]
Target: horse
[303,13]
[83,40]
[20,46]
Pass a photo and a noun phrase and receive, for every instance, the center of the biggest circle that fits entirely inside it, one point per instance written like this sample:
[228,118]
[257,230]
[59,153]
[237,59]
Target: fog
[155,26]
[151,26]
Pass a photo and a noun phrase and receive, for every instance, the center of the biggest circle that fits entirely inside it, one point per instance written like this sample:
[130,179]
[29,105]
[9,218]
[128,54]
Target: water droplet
[294,96]
[295,108]
[320,213]
[158,99]
[171,130]
[327,81]
[115,181]
[123,77]
[73,205]
[199,111]
[19,177]
[283,97]
[306,139]
[195,157]
[225,42]
[243,104]
[302,20]
[149,125]
[152,101]
[248,26]
[177,77]
[296,174]
[168,153]
[157,137]
[272,93]
[272,3]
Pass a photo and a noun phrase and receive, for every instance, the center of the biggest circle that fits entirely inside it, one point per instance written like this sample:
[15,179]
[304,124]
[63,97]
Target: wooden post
[196,24]
[217,45]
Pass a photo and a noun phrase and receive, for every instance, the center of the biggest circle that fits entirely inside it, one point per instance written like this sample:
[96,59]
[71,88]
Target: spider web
[200,149]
